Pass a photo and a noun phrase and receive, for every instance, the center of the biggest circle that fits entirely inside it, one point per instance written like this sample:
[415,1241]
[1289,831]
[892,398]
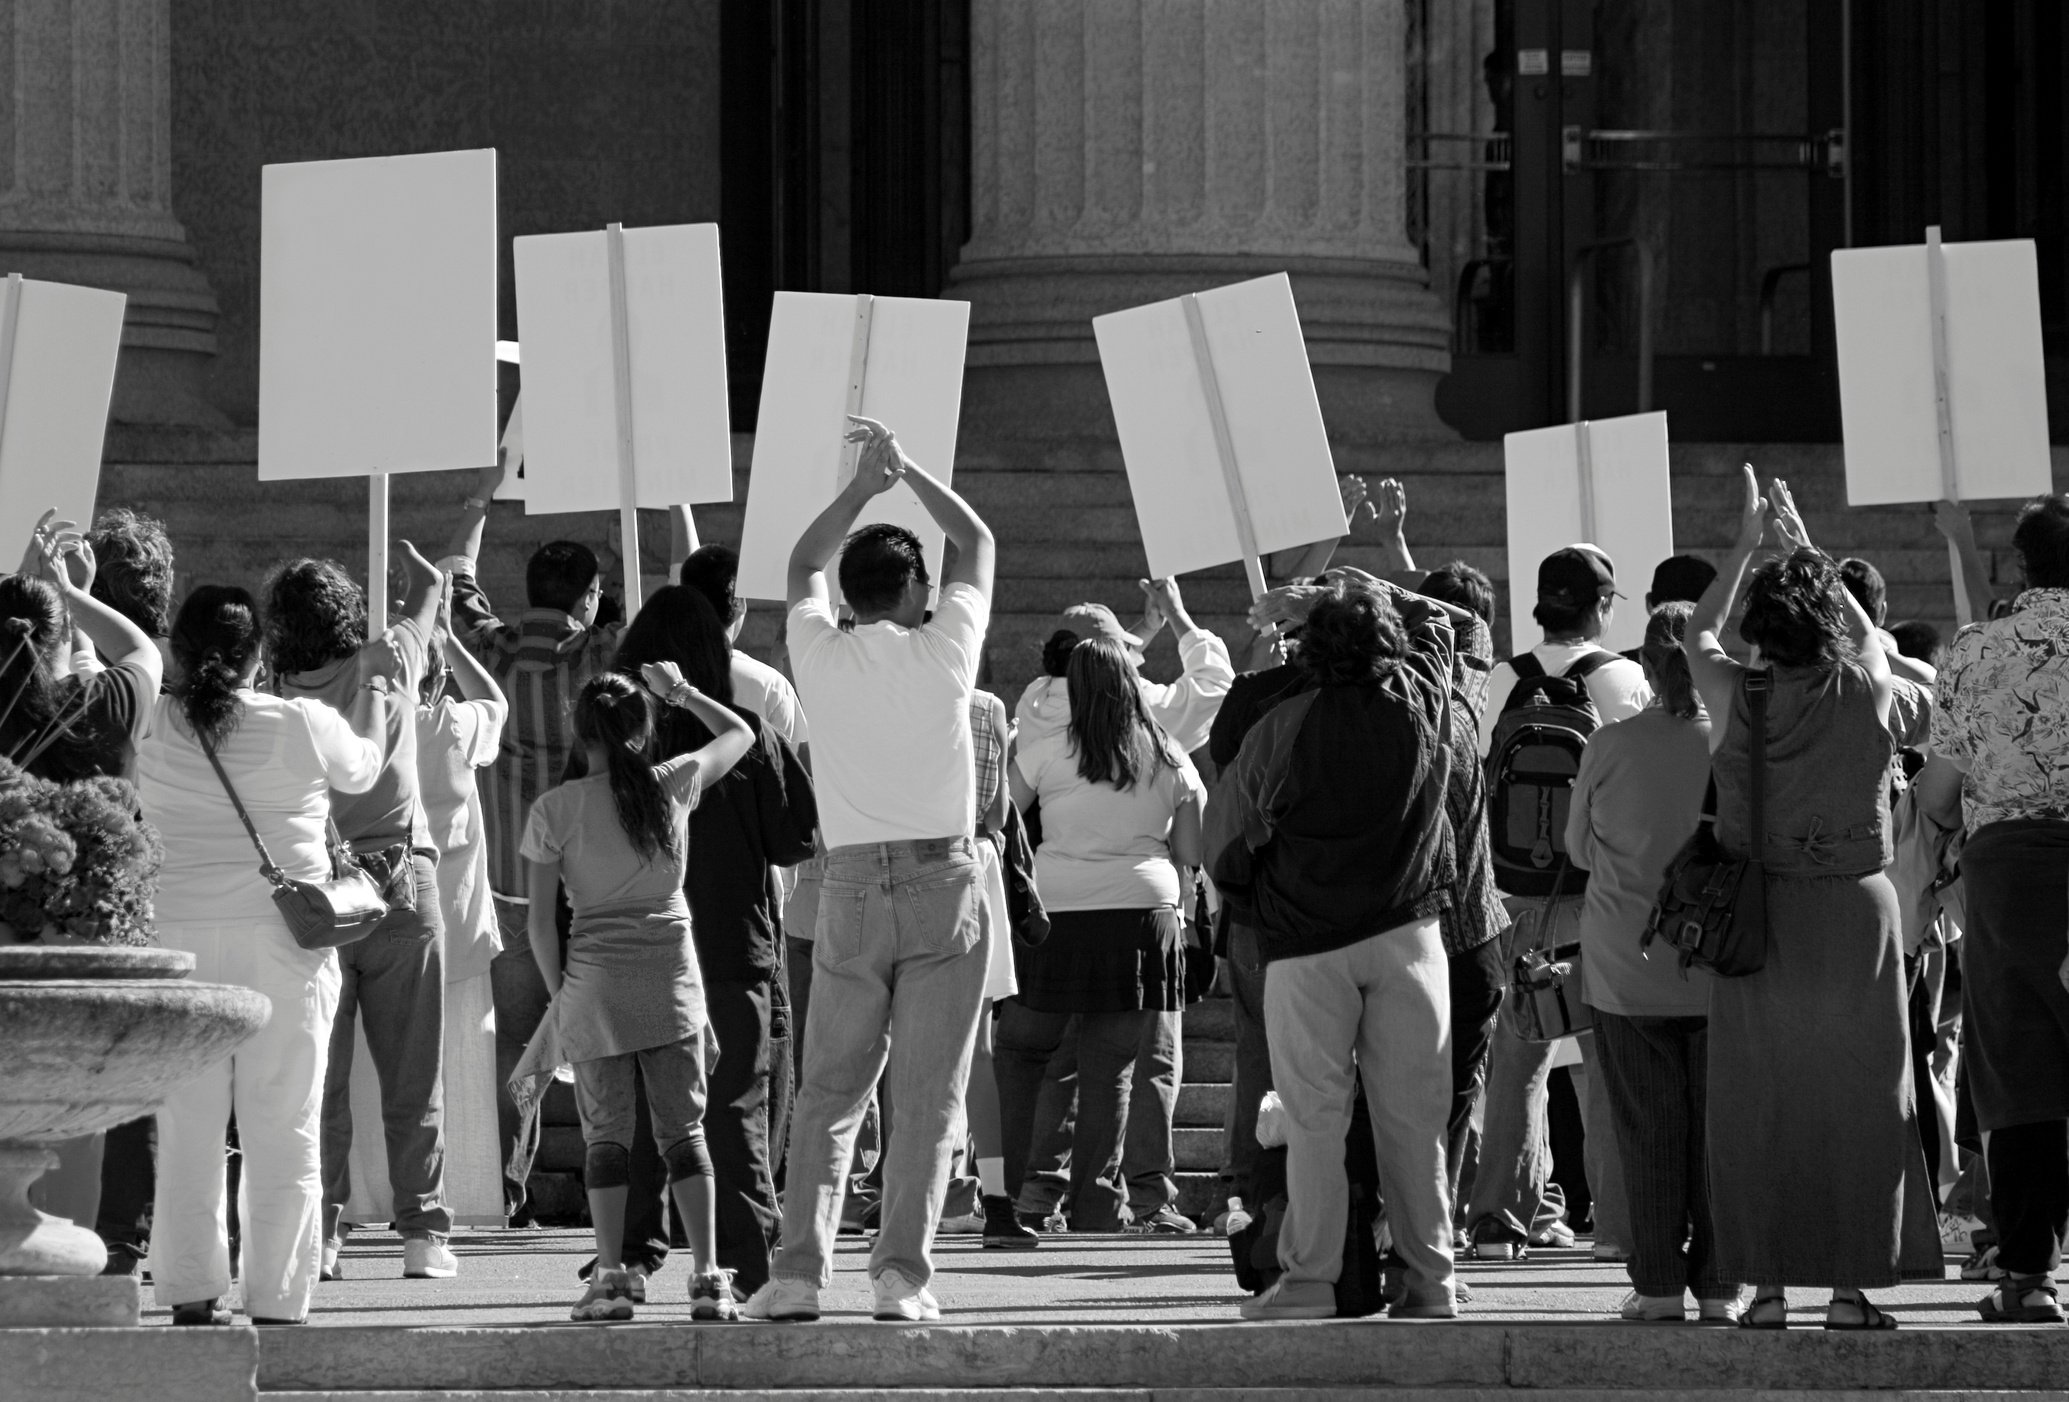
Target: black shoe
[1003,1229]
[200,1312]
[123,1259]
[267,1322]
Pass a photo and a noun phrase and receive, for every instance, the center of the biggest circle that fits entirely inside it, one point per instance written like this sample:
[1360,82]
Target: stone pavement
[525,1277]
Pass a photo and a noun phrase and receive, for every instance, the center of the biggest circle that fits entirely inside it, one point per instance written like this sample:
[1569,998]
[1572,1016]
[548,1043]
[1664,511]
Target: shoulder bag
[1712,908]
[1545,982]
[319,914]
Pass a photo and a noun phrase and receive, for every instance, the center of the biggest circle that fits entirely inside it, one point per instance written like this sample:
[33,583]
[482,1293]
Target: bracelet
[476,503]
[680,693]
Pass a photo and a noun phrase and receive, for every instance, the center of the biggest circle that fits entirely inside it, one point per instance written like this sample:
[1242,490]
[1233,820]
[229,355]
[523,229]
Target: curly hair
[1668,664]
[1794,614]
[1353,636]
[214,640]
[877,563]
[315,615]
[1462,586]
[2042,539]
[1056,653]
[134,574]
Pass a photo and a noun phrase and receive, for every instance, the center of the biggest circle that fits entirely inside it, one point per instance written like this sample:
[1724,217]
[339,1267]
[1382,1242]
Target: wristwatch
[476,503]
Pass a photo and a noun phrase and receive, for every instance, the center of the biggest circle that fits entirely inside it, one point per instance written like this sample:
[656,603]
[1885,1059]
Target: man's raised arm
[880,465]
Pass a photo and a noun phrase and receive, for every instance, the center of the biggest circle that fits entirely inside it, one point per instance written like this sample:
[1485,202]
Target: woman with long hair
[627,990]
[282,759]
[1120,822]
[1637,798]
[1817,1177]
[750,821]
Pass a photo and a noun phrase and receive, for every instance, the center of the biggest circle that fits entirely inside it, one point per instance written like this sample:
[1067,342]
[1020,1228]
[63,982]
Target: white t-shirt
[285,757]
[1103,848]
[890,708]
[1617,687]
[454,739]
[768,693]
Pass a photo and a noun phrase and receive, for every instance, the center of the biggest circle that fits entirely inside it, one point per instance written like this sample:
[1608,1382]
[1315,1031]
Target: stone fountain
[91,1036]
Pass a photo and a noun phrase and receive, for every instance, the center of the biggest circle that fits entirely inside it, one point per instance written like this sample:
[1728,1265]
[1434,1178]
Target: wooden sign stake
[858,373]
[1584,472]
[1224,447]
[621,374]
[10,321]
[376,554]
[1943,401]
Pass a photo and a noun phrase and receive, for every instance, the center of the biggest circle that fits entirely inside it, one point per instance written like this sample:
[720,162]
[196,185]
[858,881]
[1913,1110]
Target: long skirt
[1817,1177]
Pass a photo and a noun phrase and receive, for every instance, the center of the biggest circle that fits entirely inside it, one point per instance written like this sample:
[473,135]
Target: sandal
[1766,1312]
[1873,1320]
[2014,1302]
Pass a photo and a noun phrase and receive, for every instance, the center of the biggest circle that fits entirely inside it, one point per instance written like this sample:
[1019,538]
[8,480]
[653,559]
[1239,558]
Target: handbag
[319,914]
[1712,907]
[1546,979]
[1197,945]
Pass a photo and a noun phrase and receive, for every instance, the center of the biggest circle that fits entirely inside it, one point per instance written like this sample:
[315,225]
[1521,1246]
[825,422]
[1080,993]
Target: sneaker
[123,1259]
[1498,1239]
[330,1269]
[1167,1221]
[1003,1229]
[902,1300]
[1410,1307]
[1982,1265]
[607,1300]
[636,1283]
[969,1225]
[711,1296]
[426,1258]
[201,1312]
[783,1298]
[2023,1301]
[1652,1309]
[1958,1229]
[1305,1299]
[1555,1234]
[1720,1311]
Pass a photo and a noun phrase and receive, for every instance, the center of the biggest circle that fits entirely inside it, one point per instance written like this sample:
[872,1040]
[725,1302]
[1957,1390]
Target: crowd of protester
[768,919]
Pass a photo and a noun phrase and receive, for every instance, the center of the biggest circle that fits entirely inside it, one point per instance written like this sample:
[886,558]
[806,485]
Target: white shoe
[424,1258]
[1307,1299]
[1720,1311]
[711,1296]
[636,1284]
[901,1299]
[783,1298]
[606,1300]
[1652,1309]
[972,1225]
[330,1270]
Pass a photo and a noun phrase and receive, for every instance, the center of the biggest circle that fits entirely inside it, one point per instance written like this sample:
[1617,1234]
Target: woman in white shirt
[1120,816]
[285,757]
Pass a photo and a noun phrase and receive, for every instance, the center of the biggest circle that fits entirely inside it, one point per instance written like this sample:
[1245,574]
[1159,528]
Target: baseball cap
[1099,622]
[1577,577]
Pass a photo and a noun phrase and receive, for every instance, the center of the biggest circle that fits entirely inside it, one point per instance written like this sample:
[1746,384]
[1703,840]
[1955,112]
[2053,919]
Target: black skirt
[1106,961]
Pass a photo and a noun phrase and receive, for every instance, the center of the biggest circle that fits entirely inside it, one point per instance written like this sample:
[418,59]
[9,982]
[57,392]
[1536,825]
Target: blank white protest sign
[910,369]
[682,440]
[1996,379]
[58,348]
[1604,483]
[1160,390]
[377,316]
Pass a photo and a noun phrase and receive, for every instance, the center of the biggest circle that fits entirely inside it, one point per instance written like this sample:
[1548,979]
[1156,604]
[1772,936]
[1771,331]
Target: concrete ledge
[1162,1361]
[70,1302]
[129,1365]
[1162,1394]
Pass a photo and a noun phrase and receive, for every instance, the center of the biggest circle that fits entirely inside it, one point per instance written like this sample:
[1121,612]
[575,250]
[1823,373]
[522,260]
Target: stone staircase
[1203,1107]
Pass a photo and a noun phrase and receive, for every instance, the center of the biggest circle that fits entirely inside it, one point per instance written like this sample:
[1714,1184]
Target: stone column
[1129,150]
[86,188]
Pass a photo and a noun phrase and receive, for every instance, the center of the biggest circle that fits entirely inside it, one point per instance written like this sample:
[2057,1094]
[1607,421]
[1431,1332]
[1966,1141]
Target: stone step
[1210,1020]
[1210,1063]
[1203,1106]
[1169,1394]
[1197,1149]
[1201,1194]
[1465,1359]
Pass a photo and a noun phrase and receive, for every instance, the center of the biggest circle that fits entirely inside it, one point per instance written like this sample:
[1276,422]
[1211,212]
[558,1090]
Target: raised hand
[1787,519]
[1288,604]
[1752,512]
[1357,499]
[1951,519]
[1391,511]
[662,678]
[882,461]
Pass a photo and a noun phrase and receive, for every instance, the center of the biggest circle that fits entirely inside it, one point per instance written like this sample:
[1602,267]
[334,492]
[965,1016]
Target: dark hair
[2042,539]
[677,625]
[133,568]
[714,572]
[616,713]
[1793,614]
[315,615]
[1111,731]
[877,563]
[559,574]
[1683,577]
[1353,635]
[1561,620]
[39,714]
[1916,639]
[1056,652]
[1864,582]
[214,640]
[1664,630]
[1460,585]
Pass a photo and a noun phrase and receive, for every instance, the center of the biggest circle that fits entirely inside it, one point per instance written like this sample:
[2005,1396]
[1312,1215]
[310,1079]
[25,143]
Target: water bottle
[1237,1219]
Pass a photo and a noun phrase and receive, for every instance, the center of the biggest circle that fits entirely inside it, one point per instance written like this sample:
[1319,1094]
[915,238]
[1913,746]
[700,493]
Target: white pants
[274,1083]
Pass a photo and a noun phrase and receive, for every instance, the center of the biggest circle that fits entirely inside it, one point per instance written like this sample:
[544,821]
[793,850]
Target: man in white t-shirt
[899,964]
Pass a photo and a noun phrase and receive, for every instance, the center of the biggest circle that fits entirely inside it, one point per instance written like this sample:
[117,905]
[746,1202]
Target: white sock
[991,1176]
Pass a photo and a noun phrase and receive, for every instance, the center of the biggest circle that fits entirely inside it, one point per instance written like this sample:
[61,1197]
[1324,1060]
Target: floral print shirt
[2003,711]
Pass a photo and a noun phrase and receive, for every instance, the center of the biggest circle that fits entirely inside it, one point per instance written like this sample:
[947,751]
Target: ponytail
[615,713]
[214,640]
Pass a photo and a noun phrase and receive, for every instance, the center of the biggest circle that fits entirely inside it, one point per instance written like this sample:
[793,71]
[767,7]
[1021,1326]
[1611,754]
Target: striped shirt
[541,661]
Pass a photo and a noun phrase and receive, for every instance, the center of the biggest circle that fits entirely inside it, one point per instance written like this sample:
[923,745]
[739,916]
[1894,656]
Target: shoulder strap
[266,867]
[1757,686]
[1589,663]
[1526,666]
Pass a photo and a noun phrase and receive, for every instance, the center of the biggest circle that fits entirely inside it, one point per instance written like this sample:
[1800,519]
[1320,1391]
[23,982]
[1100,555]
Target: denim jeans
[898,973]
[395,980]
[1515,1140]
[1478,981]
[782,1073]
[1148,1159]
[736,1129]
[1045,1185]
[1253,1072]
[1107,1048]
[1379,1010]
[520,995]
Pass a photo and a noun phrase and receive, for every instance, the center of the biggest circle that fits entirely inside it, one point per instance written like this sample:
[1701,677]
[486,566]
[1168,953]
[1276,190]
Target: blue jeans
[898,972]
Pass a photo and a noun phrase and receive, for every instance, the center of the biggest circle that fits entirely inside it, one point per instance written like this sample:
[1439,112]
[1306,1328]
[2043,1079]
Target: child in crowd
[627,987]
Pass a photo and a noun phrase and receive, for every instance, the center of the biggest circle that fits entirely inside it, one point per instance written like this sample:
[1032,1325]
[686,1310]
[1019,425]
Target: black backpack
[1531,764]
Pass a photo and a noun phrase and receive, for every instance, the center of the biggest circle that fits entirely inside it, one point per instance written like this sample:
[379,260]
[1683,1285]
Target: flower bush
[76,863]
